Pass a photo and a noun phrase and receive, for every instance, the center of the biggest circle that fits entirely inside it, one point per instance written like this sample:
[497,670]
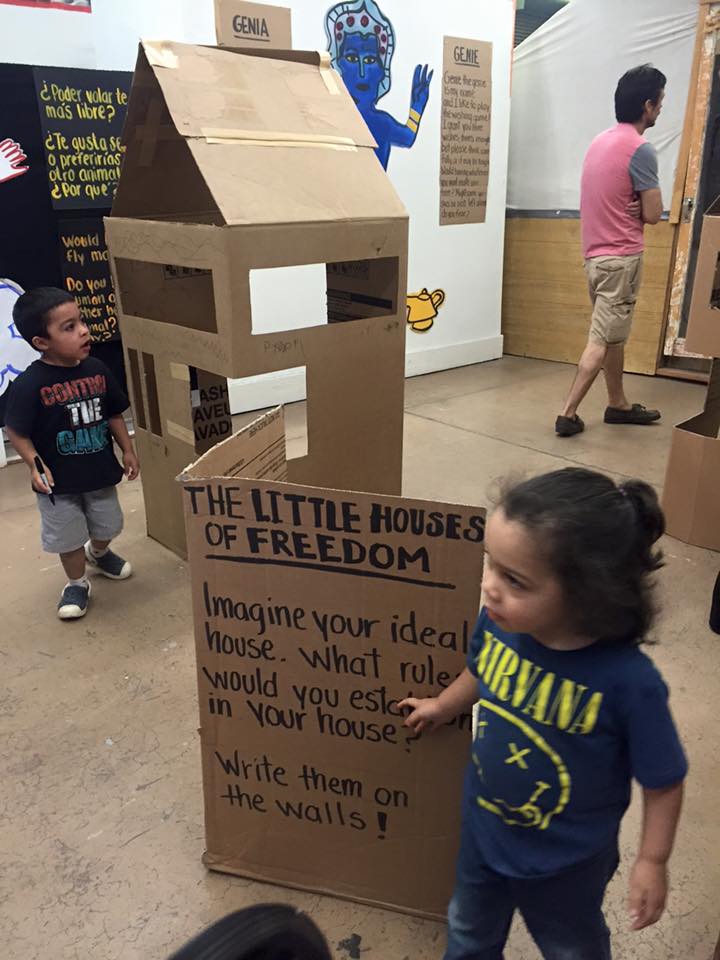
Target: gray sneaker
[109,564]
[73,602]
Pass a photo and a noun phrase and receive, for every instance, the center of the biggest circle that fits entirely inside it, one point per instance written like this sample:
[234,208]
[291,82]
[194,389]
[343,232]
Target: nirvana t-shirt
[560,736]
[65,412]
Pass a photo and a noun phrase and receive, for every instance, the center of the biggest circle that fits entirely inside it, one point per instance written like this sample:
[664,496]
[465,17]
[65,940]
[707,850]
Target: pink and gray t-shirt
[619,164]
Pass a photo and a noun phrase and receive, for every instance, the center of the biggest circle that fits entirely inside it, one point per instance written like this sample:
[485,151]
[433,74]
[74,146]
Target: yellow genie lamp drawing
[422,308]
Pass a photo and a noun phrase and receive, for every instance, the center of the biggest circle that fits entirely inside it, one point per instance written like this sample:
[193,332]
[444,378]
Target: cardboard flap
[262,445]
[207,88]
[254,184]
[159,177]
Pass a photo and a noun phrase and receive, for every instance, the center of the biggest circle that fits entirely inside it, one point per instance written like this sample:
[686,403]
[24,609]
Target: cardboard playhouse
[316,611]
[690,496]
[243,160]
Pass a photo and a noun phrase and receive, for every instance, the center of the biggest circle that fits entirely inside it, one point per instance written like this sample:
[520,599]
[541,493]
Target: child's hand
[648,892]
[131,464]
[424,714]
[37,483]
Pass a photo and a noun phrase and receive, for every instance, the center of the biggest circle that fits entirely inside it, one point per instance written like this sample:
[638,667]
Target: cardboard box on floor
[316,611]
[690,496]
[240,160]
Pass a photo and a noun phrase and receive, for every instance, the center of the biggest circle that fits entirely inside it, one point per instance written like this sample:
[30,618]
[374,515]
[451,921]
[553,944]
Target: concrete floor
[101,774]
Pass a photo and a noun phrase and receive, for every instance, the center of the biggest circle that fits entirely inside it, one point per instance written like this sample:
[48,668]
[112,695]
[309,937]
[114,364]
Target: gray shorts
[76,518]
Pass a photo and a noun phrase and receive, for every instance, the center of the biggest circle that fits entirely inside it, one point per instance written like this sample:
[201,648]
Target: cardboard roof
[243,137]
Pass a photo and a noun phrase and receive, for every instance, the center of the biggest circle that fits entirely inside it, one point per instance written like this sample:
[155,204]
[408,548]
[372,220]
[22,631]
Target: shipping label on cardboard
[316,612]
[465,130]
[239,24]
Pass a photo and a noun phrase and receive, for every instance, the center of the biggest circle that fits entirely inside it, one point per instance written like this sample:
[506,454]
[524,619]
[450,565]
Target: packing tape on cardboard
[160,55]
[178,371]
[282,143]
[329,77]
[180,433]
[272,138]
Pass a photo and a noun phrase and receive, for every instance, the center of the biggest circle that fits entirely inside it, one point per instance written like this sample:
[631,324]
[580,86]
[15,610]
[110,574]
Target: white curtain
[564,80]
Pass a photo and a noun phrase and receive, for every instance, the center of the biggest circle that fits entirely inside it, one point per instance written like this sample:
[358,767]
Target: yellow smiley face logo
[521,779]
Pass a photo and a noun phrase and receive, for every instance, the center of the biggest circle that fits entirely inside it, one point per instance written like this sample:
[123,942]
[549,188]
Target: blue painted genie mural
[361,42]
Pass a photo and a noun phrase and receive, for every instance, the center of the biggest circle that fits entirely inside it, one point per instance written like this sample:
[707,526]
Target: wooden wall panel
[546,307]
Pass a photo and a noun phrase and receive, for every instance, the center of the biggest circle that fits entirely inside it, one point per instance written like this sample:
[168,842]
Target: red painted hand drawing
[11,160]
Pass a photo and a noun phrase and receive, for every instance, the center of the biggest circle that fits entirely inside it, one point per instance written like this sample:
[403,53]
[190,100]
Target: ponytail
[649,521]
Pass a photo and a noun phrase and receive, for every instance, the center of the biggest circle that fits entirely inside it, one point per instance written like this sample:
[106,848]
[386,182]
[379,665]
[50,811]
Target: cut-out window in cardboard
[309,295]
[359,289]
[168,293]
[715,294]
[151,391]
[136,381]
[288,298]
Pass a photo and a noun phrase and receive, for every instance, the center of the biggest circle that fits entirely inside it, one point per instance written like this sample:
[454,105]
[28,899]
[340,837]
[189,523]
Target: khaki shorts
[614,283]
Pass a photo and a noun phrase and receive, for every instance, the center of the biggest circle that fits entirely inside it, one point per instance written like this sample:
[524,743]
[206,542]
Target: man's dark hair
[30,312]
[634,89]
[598,538]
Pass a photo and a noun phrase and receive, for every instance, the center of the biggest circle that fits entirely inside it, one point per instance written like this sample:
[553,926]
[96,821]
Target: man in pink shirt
[620,193]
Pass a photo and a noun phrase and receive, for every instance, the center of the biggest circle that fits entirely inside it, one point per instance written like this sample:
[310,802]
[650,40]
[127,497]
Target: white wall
[465,261]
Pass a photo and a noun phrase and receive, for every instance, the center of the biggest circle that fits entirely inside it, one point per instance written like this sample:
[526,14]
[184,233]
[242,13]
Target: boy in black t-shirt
[62,415]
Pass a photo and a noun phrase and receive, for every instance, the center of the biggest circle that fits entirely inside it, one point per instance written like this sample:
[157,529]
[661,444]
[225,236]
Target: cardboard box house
[690,496]
[240,161]
[316,611]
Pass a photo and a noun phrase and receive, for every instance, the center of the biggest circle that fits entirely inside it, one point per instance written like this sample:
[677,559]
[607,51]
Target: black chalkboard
[81,115]
[86,274]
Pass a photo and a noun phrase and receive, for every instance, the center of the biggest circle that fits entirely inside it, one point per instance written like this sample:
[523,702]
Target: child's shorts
[76,518]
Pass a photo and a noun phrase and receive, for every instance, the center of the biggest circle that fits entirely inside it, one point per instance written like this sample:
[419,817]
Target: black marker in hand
[41,470]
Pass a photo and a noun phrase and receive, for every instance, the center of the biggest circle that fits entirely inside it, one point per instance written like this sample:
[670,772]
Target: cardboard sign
[86,272]
[239,24]
[81,115]
[465,130]
[316,612]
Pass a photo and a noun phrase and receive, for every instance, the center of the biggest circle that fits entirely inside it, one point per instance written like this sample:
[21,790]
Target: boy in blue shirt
[63,413]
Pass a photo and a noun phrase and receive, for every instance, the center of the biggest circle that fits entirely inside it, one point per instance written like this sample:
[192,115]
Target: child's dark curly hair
[598,537]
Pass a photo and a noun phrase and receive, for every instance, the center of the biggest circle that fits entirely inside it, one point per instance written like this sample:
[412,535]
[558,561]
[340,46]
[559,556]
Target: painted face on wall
[361,68]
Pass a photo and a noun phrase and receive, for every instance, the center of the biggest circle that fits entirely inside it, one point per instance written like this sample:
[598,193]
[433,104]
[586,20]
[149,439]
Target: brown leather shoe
[636,414]
[569,426]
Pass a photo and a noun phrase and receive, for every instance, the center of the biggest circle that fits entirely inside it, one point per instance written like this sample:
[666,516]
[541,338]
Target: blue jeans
[563,912]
